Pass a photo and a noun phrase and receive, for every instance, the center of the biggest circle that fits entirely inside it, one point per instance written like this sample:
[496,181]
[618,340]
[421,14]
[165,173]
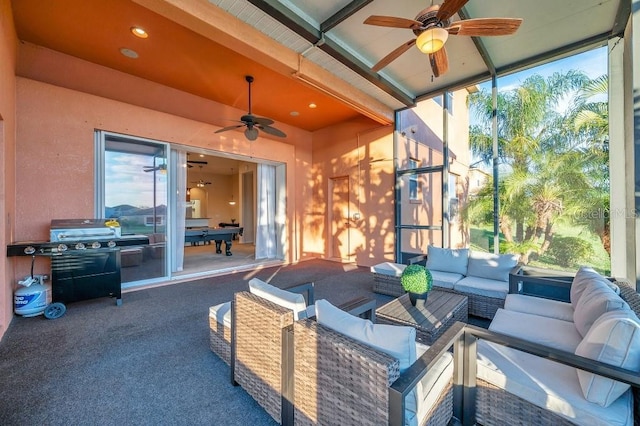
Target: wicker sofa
[482,277]
[349,371]
[595,330]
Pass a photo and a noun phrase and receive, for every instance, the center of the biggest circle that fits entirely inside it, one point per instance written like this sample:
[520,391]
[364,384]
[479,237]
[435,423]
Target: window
[449,95]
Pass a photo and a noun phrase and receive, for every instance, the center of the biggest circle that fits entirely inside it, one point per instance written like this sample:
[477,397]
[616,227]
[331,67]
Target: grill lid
[82,229]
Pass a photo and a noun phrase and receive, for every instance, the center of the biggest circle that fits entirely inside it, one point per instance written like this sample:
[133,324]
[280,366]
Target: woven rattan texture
[442,309]
[258,369]
[496,407]
[220,340]
[341,381]
[386,284]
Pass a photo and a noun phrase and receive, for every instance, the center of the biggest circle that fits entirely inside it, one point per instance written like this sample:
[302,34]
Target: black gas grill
[85,257]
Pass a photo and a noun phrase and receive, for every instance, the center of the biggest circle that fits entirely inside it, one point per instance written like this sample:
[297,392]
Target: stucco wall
[56,142]
[363,152]
[8,46]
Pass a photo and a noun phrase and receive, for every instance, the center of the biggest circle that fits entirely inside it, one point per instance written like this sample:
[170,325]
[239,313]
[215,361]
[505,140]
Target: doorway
[340,238]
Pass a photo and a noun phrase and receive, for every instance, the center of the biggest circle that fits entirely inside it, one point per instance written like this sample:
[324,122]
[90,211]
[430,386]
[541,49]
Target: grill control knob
[29,250]
[80,246]
[62,247]
[111,244]
[96,244]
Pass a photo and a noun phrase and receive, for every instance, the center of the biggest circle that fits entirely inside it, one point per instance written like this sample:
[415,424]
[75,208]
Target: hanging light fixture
[232,202]
[432,40]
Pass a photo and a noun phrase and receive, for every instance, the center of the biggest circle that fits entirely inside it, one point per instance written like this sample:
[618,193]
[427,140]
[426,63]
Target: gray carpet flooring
[148,361]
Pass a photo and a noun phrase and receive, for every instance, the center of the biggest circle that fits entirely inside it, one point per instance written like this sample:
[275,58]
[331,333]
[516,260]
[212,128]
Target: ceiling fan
[160,167]
[432,26]
[253,123]
[190,163]
[201,183]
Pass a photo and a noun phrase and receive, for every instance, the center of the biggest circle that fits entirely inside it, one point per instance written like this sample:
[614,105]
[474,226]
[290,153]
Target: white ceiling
[549,28]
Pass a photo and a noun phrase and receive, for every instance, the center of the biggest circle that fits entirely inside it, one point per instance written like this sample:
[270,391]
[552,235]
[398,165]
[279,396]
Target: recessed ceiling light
[294,113]
[139,32]
[201,155]
[312,105]
[129,53]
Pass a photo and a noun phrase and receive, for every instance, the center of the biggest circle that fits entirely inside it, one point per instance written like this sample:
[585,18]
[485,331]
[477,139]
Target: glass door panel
[135,192]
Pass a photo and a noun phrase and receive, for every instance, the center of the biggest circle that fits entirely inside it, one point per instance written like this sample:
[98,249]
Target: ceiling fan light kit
[432,27]
[432,40]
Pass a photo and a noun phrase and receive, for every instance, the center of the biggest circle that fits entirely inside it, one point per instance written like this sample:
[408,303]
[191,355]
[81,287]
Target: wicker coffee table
[440,311]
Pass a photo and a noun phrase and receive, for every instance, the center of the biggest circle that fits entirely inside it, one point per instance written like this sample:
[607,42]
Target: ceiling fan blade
[439,62]
[480,27]
[393,55]
[197,162]
[449,8]
[224,129]
[392,21]
[263,121]
[272,131]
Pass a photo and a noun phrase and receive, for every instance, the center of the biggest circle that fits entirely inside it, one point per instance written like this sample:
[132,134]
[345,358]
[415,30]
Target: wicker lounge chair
[339,380]
[261,355]
[220,322]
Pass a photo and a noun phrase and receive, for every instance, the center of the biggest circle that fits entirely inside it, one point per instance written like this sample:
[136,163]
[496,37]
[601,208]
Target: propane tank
[32,297]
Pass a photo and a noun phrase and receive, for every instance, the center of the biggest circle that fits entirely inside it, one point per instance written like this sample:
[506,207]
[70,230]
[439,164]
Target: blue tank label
[30,300]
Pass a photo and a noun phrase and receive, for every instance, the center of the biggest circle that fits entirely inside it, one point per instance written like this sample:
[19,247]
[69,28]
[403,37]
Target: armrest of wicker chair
[420,258]
[307,290]
[472,333]
[339,380]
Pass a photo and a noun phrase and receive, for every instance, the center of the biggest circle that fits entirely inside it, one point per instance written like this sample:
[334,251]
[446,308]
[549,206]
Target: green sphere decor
[416,279]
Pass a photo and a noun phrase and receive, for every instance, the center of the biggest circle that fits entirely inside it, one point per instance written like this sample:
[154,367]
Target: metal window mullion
[445,169]
[494,131]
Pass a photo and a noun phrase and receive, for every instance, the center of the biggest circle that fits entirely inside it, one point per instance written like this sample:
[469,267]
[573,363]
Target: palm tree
[545,172]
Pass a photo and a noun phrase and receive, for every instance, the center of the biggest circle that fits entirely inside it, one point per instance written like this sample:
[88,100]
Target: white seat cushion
[482,287]
[445,279]
[613,339]
[597,298]
[491,266]
[539,306]
[286,299]
[447,260]
[431,386]
[549,385]
[222,313]
[388,268]
[547,331]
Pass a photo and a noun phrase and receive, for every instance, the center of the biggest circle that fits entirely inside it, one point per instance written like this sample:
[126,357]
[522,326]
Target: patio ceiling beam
[480,47]
[622,17]
[286,17]
[343,14]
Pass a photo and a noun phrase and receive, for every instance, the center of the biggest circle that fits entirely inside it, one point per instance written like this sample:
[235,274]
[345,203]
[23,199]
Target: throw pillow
[284,298]
[491,266]
[613,339]
[447,260]
[583,277]
[596,299]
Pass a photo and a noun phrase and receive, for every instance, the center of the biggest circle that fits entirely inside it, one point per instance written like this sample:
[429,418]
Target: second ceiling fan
[253,123]
[432,27]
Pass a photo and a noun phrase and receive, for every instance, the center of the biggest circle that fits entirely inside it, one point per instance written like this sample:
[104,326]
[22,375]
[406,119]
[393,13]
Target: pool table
[218,235]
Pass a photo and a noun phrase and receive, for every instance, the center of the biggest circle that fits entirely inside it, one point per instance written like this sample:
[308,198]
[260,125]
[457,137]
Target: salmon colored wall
[56,143]
[8,47]
[363,151]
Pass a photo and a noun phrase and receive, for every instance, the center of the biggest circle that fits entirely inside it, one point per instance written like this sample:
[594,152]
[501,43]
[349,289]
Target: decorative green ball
[416,279]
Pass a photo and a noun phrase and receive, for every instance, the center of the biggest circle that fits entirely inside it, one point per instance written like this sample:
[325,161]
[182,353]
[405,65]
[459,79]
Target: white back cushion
[286,299]
[613,339]
[447,260]
[491,266]
[581,280]
[396,341]
[596,299]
